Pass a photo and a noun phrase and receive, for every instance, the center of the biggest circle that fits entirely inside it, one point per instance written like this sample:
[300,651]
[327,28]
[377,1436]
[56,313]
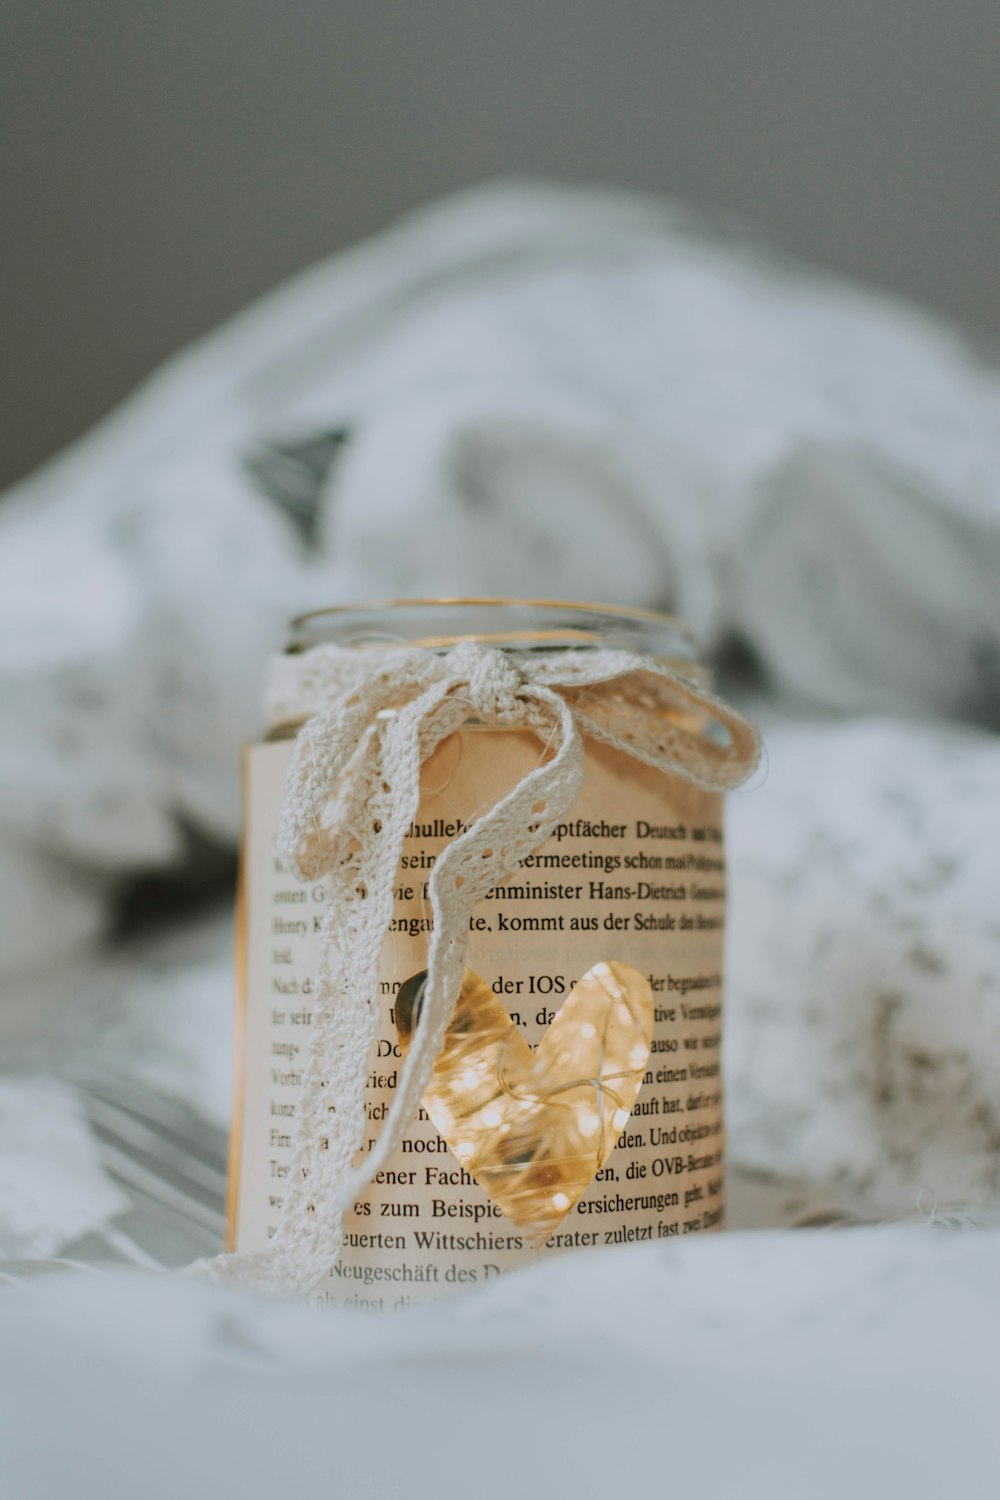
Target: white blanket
[551,392]
[858,1362]
[544,392]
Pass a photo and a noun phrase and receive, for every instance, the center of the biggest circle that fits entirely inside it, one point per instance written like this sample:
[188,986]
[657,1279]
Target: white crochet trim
[352,791]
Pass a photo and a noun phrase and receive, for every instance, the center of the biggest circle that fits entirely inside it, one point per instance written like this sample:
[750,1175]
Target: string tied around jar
[352,792]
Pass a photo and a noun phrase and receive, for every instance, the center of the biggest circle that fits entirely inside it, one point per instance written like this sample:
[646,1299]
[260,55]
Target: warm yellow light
[534,1126]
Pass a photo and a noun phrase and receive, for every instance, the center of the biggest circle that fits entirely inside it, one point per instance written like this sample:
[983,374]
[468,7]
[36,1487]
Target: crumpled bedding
[856,1362]
[526,390]
[534,391]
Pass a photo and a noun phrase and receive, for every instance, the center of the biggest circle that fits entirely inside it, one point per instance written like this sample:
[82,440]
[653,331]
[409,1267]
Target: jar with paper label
[481,920]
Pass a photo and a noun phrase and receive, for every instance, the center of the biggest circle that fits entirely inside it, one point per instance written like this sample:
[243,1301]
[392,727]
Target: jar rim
[523,623]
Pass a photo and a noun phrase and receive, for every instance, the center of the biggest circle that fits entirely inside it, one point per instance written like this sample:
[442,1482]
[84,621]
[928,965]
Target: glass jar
[634,876]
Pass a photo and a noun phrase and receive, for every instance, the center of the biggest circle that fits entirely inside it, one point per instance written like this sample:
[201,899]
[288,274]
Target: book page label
[636,874]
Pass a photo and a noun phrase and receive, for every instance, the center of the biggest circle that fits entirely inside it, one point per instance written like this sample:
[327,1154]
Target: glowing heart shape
[533,1127]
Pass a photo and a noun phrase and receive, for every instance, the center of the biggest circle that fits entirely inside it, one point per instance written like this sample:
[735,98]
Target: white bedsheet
[850,1362]
[545,392]
[555,392]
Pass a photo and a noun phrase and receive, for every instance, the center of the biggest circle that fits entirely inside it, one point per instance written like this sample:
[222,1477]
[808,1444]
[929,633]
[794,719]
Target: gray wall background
[167,160]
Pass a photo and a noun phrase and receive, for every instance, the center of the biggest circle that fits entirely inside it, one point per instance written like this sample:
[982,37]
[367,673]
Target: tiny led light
[531,1124]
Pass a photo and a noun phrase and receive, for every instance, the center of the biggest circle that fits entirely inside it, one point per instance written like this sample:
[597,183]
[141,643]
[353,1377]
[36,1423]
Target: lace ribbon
[352,791]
